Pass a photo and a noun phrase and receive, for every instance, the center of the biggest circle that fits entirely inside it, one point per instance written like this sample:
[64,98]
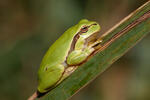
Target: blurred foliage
[29,27]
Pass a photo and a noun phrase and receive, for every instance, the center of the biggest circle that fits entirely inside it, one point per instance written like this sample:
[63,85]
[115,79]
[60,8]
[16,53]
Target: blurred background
[29,27]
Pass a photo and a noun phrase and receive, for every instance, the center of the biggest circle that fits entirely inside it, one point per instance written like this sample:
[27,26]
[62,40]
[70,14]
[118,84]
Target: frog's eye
[84,29]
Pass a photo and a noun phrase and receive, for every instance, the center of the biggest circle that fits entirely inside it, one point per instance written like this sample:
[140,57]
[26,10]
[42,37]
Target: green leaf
[116,42]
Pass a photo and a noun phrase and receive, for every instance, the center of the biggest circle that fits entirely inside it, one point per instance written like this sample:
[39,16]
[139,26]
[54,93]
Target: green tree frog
[68,52]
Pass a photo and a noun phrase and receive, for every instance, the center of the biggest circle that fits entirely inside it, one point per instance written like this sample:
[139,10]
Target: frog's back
[58,51]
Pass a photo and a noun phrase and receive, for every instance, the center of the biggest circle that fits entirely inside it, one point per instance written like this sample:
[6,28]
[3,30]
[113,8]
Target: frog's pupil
[85,28]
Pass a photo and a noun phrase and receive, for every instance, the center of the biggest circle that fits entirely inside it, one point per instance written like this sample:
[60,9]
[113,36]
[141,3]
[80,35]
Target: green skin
[66,54]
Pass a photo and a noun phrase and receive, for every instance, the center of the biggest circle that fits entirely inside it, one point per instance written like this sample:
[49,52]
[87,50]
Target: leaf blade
[101,61]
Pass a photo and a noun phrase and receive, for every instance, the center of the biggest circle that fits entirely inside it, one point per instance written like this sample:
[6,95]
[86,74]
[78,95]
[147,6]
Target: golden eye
[84,29]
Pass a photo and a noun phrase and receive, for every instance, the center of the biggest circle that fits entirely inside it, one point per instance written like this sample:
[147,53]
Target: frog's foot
[97,44]
[68,71]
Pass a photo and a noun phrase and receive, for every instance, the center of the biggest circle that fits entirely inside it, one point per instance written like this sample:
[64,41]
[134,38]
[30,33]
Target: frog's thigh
[53,76]
[56,73]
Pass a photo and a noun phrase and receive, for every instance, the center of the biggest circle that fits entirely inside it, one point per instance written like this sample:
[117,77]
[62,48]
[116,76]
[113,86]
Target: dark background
[29,27]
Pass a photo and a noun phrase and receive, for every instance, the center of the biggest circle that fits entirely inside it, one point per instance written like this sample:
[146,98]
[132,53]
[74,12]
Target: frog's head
[88,28]
[87,31]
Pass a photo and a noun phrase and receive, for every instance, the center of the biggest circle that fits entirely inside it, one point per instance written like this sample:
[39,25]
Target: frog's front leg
[96,44]
[76,57]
